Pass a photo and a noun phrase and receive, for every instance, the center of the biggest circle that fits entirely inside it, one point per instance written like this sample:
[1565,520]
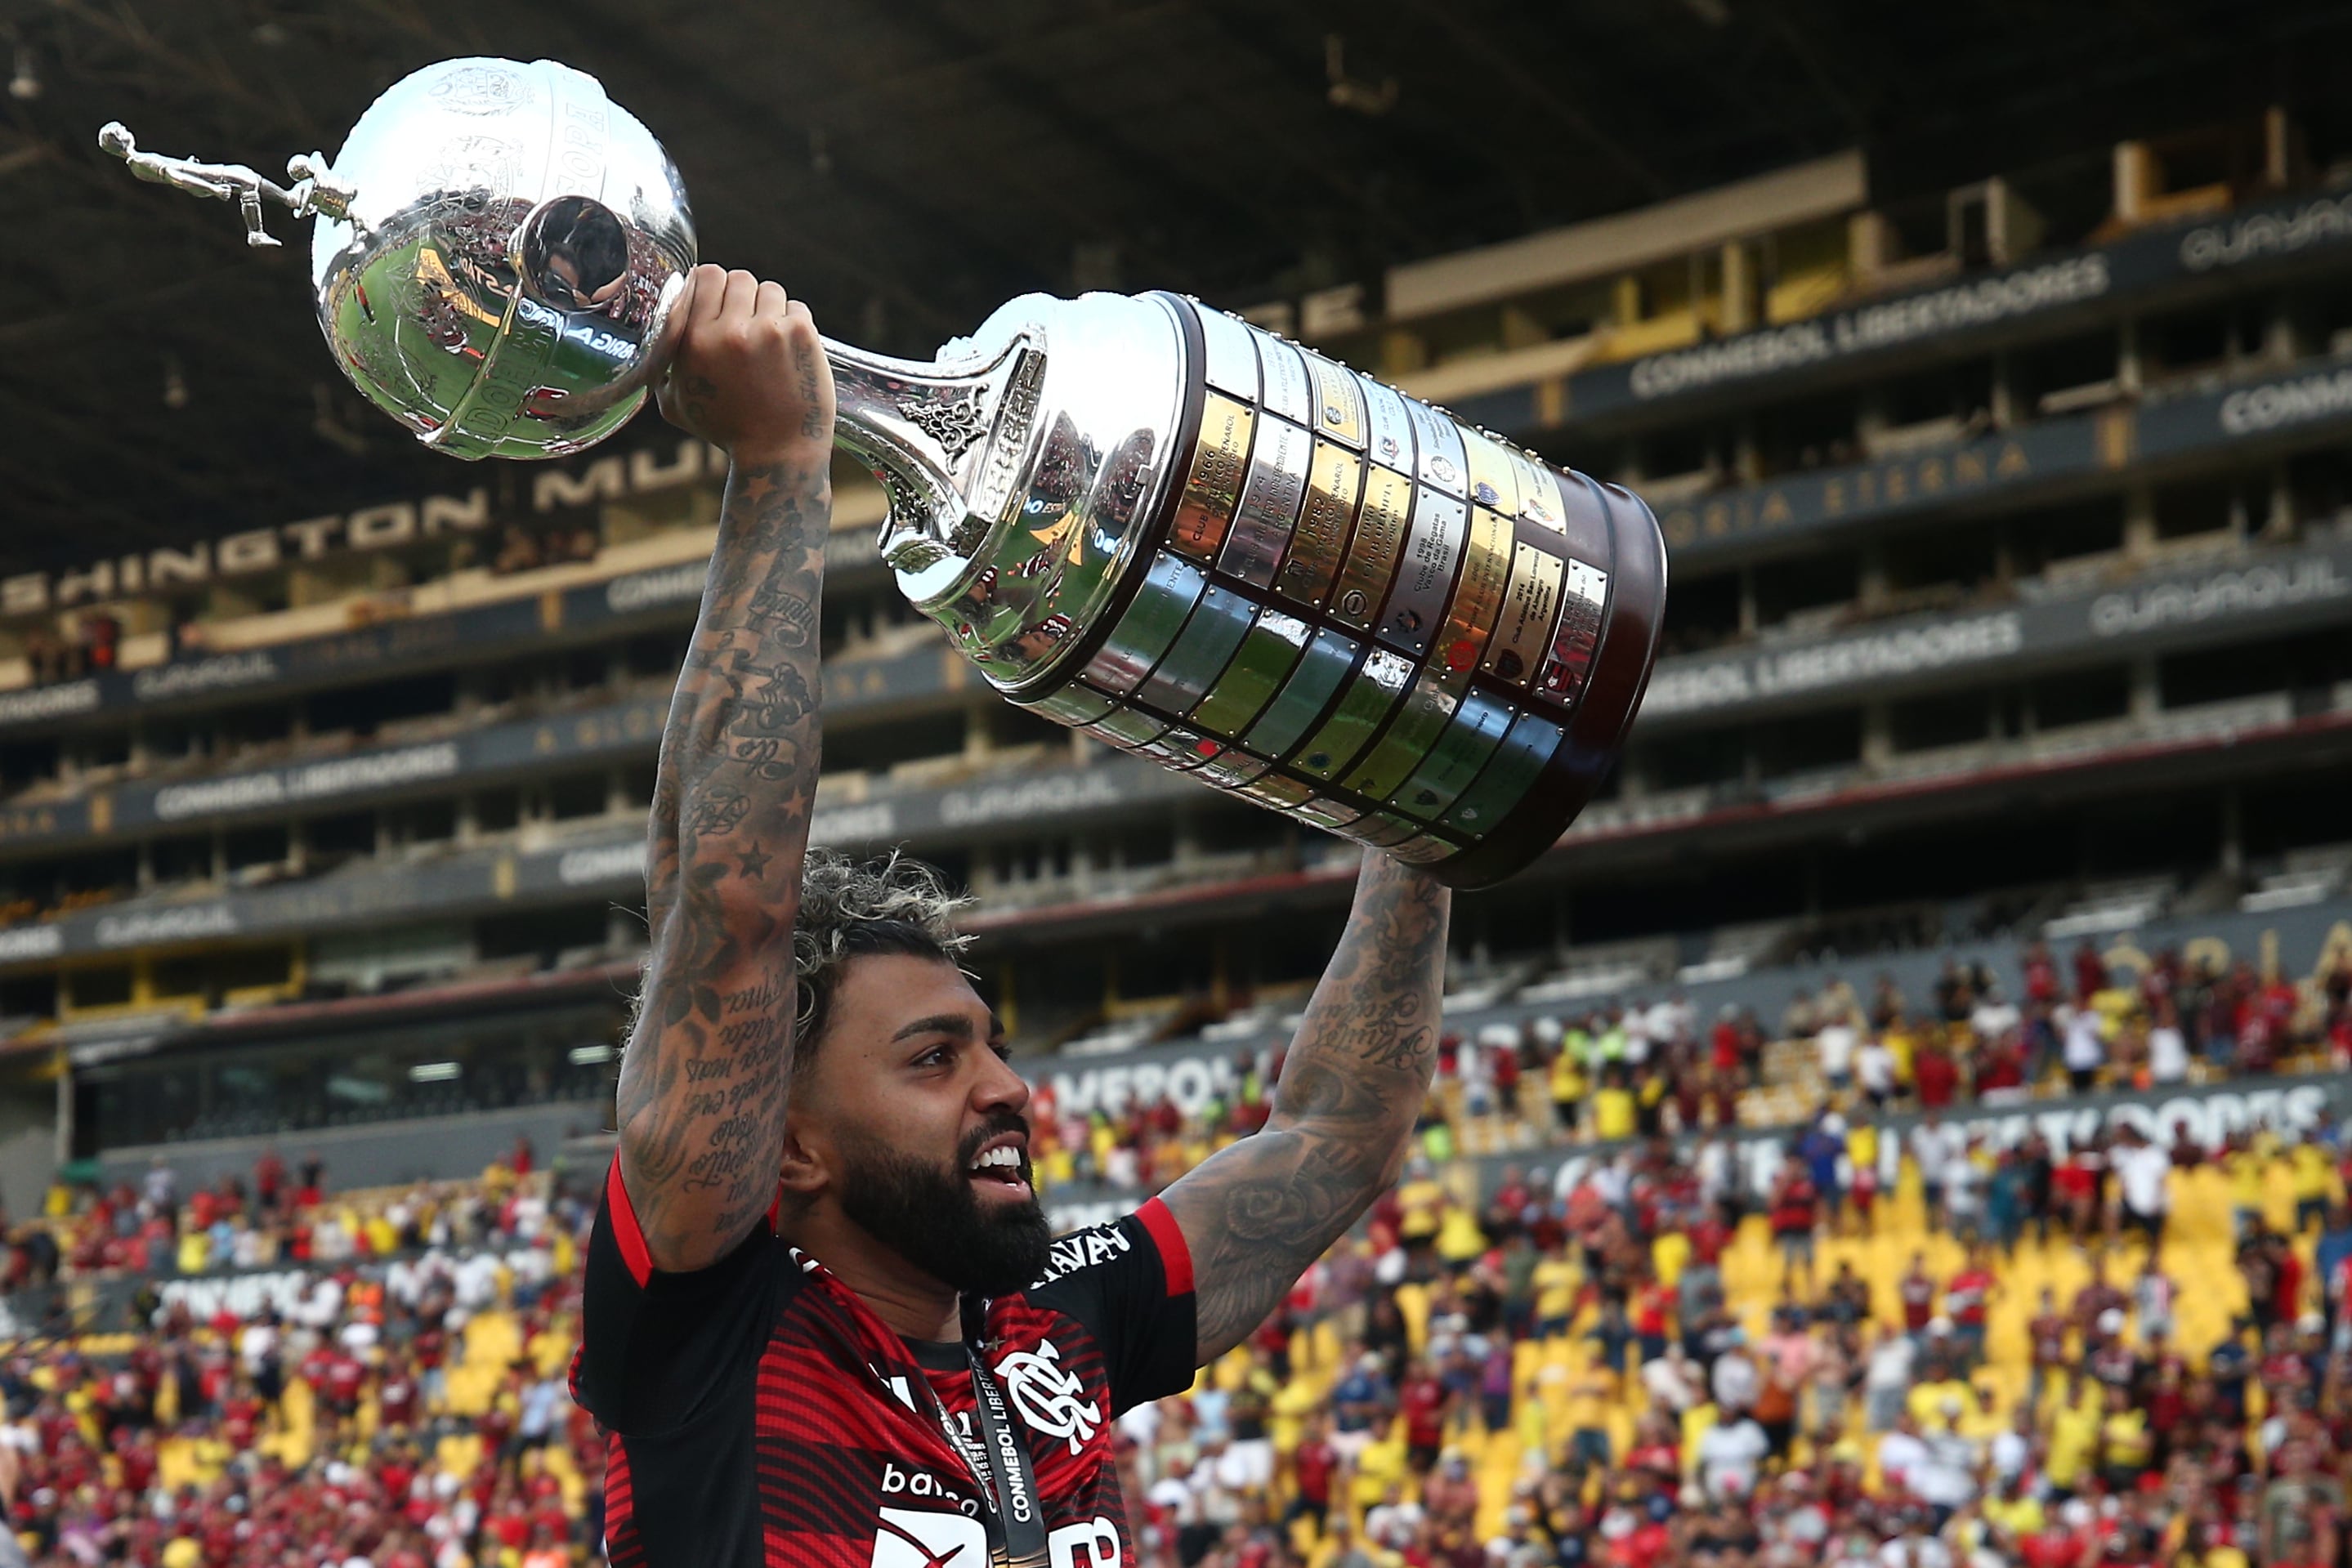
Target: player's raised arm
[1256,1215]
[700,1105]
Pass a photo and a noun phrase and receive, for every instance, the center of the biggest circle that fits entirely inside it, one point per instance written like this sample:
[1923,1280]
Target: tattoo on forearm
[1258,1214]
[700,1103]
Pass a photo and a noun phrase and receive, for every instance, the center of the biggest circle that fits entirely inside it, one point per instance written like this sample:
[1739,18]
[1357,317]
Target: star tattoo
[755,862]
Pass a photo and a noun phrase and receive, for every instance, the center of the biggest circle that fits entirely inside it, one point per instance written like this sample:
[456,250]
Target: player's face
[922,1124]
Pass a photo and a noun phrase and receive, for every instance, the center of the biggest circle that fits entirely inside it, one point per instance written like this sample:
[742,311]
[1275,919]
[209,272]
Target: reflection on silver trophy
[1191,539]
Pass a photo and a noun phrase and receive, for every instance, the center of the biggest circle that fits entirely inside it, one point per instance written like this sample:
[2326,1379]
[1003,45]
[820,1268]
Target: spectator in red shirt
[2090,974]
[1795,1211]
[344,1377]
[268,1180]
[397,1395]
[1917,1292]
[1966,1298]
[1934,1078]
[1312,1465]
[1423,1402]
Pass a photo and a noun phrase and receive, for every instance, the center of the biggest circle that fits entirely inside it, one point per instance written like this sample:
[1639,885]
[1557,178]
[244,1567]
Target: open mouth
[1001,1165]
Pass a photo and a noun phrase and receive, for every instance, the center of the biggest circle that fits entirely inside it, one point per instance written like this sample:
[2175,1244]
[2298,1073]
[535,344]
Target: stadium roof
[907,165]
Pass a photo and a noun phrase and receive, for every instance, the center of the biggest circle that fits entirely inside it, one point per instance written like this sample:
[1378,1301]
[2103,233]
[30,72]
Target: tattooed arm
[700,1104]
[1257,1214]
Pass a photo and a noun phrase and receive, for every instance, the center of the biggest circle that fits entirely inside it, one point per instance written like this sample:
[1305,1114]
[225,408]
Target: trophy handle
[917,426]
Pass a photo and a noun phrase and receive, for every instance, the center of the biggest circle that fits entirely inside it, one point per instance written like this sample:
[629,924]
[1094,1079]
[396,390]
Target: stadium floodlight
[433,1072]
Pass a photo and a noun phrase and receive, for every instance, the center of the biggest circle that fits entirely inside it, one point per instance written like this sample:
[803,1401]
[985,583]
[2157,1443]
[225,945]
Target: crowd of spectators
[278,1216]
[1657,1358]
[2173,1018]
[1625,1071]
[1699,1353]
[1638,1068]
[354,1413]
[1675,1408]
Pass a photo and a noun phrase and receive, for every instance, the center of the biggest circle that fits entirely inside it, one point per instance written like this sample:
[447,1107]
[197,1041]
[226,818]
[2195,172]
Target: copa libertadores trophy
[1190,538]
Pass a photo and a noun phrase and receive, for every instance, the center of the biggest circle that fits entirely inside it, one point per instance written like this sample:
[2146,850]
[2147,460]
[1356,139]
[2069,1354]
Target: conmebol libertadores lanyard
[1019,1539]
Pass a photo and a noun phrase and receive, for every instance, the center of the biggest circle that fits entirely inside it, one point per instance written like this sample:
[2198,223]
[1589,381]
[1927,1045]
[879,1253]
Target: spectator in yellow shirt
[1982,1421]
[1668,1254]
[1861,1141]
[1612,1107]
[2015,1512]
[1567,1085]
[2126,1445]
[1459,1239]
[1588,1417]
[1649,1103]
[1903,1046]
[1936,1405]
[1555,1282]
[2074,1441]
[497,1179]
[1421,1208]
[2315,1184]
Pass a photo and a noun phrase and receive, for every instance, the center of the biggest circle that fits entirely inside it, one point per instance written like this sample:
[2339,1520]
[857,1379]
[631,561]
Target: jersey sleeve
[656,1347]
[1129,1285]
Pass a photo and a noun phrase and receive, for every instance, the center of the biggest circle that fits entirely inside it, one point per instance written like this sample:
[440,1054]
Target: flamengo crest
[1049,1397]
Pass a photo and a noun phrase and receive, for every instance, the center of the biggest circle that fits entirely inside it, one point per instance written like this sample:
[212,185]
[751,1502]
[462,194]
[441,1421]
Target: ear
[802,1174]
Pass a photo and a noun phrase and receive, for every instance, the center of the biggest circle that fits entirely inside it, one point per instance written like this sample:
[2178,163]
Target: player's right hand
[750,374]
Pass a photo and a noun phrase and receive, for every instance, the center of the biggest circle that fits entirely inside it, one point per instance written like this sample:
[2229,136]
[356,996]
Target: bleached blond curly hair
[851,909]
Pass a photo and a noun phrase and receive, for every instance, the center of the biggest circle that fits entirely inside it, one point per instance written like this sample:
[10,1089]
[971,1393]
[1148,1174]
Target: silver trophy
[1191,539]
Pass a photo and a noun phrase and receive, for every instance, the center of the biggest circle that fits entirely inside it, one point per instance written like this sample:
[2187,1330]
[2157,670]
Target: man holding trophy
[825,1321]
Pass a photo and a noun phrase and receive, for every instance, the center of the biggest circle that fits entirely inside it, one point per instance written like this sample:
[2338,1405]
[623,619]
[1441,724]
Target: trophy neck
[923,430]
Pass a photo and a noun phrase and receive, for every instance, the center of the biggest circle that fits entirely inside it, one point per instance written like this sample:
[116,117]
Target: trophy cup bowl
[506,261]
[1191,539]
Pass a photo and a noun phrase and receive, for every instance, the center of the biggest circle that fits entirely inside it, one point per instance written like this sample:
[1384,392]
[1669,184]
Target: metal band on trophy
[1189,538]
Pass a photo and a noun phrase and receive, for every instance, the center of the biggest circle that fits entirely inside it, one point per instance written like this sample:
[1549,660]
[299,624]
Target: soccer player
[824,1320]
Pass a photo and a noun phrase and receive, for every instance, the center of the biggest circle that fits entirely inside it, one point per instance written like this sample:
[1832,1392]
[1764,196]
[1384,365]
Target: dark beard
[930,1215]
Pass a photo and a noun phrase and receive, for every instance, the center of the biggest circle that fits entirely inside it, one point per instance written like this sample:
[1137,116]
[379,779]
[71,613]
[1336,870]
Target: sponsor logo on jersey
[910,1482]
[911,1538]
[1049,1396]
[1082,1250]
[1094,1544]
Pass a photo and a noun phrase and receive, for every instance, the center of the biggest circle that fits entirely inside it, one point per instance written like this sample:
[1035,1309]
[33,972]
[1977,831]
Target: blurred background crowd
[1885,1335]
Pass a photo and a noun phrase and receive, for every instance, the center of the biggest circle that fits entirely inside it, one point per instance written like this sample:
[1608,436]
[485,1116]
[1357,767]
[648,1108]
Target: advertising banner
[610,862]
[2307,405]
[2283,589]
[2312,228]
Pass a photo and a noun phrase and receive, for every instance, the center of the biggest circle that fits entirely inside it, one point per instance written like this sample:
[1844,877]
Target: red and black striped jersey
[757,1415]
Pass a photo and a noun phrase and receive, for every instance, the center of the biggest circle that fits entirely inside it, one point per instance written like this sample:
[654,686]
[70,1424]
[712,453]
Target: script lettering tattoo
[718,812]
[1258,1214]
[700,1104]
[813,421]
